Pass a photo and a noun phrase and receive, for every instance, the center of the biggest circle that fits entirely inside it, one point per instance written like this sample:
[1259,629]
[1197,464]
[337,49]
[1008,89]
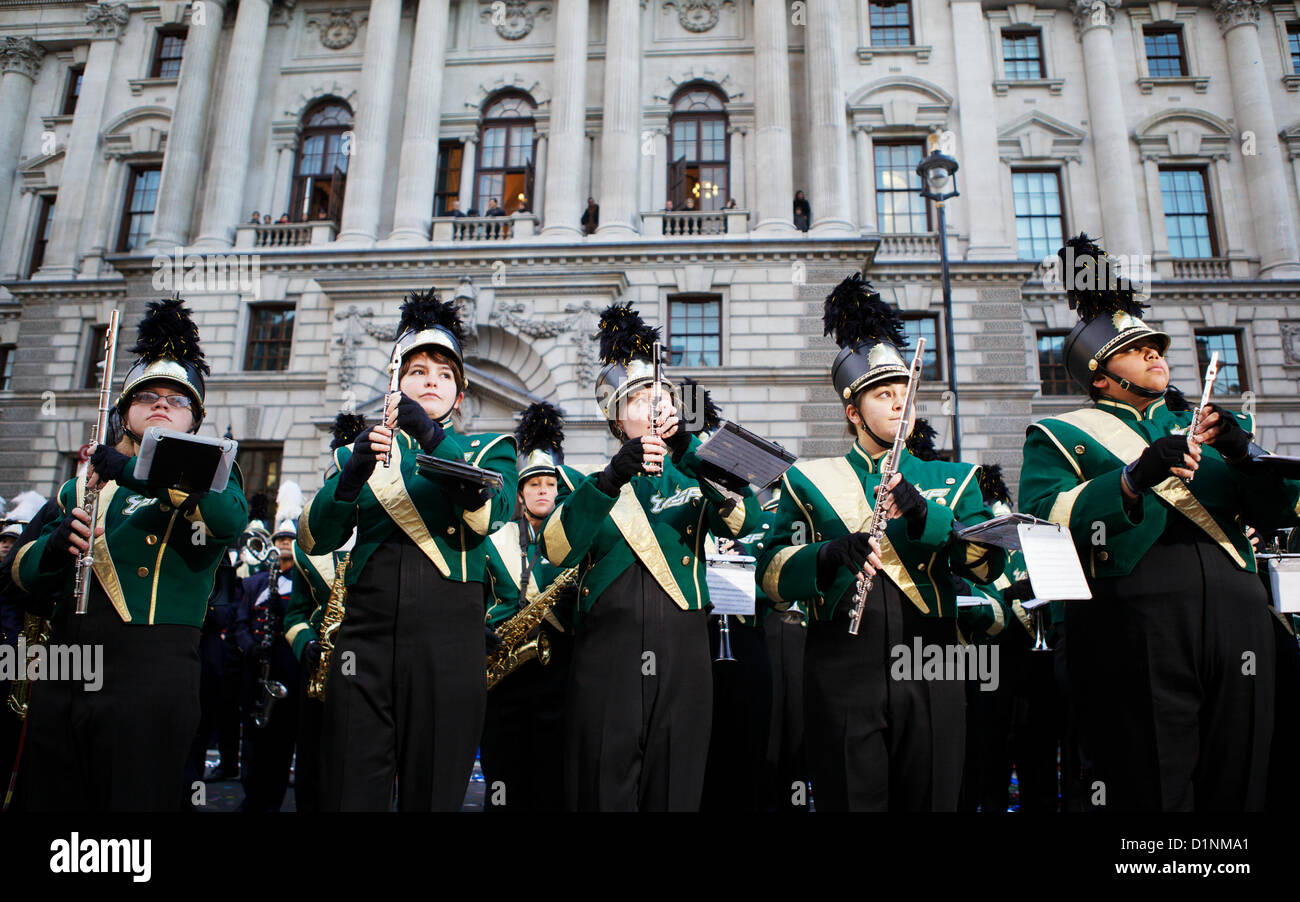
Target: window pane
[1164,49]
[1231,379]
[494,148]
[696,331]
[1020,55]
[1054,376]
[899,205]
[915,327]
[1187,212]
[521,146]
[1038,213]
[891,24]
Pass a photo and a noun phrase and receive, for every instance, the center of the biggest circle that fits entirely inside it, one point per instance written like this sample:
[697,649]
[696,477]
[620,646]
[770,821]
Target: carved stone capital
[1231,13]
[108,20]
[21,55]
[1090,14]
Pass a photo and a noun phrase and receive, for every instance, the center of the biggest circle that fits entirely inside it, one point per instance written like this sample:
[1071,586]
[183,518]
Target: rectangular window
[259,464]
[94,355]
[923,325]
[72,90]
[7,354]
[1231,380]
[1164,46]
[1052,374]
[695,330]
[1039,223]
[137,212]
[270,337]
[450,155]
[1022,55]
[167,53]
[44,223]
[899,205]
[1188,222]
[1293,45]
[891,23]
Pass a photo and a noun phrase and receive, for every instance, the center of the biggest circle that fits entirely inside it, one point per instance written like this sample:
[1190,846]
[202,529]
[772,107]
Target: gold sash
[630,518]
[390,490]
[506,540]
[103,566]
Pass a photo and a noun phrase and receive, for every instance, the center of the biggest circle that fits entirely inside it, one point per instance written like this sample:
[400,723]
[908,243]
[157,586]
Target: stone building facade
[137,138]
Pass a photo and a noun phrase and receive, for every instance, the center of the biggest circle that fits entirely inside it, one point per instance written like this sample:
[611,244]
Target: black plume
[992,485]
[541,426]
[259,507]
[345,429]
[168,333]
[624,335]
[921,442]
[698,393]
[423,310]
[1093,286]
[854,313]
[1175,400]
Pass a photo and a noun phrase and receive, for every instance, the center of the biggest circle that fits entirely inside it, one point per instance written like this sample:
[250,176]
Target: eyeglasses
[150,398]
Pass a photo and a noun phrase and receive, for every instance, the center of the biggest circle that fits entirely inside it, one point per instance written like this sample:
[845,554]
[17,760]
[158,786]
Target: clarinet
[86,560]
[656,394]
[888,467]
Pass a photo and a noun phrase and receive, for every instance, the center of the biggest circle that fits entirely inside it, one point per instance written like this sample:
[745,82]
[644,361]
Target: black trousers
[412,712]
[123,747]
[218,708]
[522,752]
[1168,718]
[306,772]
[876,743]
[268,750]
[742,713]
[640,702]
[786,763]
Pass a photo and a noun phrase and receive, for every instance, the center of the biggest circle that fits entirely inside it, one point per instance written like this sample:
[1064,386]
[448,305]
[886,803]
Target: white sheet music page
[731,583]
[1054,569]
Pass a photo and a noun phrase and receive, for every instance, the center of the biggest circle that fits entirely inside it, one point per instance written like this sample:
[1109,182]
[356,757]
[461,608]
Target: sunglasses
[149,398]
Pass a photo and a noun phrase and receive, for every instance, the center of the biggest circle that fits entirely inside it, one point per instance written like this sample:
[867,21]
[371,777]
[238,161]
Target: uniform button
[690,530]
[686,559]
[475,443]
[142,572]
[1079,449]
[951,481]
[151,540]
[941,501]
[585,591]
[451,530]
[819,537]
[760,544]
[1103,556]
[920,566]
[165,508]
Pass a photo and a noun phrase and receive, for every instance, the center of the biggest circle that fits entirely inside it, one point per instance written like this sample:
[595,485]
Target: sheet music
[1054,569]
[746,455]
[429,464]
[1001,531]
[731,581]
[1284,579]
[972,601]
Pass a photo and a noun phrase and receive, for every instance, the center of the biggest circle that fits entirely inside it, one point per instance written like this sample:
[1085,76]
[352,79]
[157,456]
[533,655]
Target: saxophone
[514,651]
[330,622]
[36,631]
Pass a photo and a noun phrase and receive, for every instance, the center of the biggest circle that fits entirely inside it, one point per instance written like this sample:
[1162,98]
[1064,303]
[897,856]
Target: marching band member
[124,747]
[640,694]
[1171,662]
[406,686]
[875,742]
[523,735]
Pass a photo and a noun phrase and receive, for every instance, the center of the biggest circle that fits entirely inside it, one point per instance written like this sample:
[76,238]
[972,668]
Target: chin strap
[1138,390]
[877,439]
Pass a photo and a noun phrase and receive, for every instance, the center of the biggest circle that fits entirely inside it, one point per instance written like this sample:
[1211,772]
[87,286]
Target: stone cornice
[21,55]
[1231,13]
[108,20]
[1090,14]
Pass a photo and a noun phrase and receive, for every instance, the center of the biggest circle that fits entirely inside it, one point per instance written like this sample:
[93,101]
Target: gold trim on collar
[630,518]
[323,564]
[390,491]
[952,502]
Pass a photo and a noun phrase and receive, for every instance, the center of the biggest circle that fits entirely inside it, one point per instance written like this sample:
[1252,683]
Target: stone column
[61,255]
[20,60]
[275,200]
[1230,243]
[564,182]
[866,178]
[417,173]
[828,128]
[108,216]
[1275,237]
[659,175]
[185,136]
[736,175]
[620,148]
[12,240]
[369,157]
[537,202]
[773,154]
[1155,206]
[979,176]
[1093,21]
[223,196]
[468,158]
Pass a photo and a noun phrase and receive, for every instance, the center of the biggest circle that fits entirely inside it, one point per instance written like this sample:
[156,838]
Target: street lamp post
[936,171]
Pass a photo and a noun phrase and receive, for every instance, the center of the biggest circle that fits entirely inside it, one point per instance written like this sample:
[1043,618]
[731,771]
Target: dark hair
[436,357]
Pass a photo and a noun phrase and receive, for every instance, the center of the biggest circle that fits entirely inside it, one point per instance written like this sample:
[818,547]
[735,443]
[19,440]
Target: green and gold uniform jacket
[1071,476]
[399,498]
[155,562]
[313,580]
[661,520]
[822,500]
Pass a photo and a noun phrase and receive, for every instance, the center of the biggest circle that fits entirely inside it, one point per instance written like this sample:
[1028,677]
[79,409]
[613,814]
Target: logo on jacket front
[678,498]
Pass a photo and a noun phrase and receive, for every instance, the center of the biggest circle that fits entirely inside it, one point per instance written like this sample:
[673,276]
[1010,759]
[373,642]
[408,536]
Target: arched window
[505,154]
[698,155]
[321,169]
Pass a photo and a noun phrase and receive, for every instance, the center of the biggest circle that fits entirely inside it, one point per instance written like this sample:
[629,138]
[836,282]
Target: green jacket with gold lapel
[661,520]
[313,580]
[822,500]
[156,563]
[400,498]
[1071,476]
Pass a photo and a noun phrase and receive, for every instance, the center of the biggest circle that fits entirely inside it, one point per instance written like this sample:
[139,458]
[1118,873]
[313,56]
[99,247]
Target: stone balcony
[691,224]
[285,234]
[484,228]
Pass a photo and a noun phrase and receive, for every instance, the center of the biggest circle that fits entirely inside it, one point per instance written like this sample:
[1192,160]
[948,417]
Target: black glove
[109,463]
[412,419]
[1232,441]
[311,653]
[849,552]
[468,496]
[1152,468]
[625,464]
[358,468]
[491,640]
[911,506]
[55,556]
[1020,591]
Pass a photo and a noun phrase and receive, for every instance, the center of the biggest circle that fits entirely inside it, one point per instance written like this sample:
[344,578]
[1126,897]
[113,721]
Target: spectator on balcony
[257,219]
[284,218]
[668,206]
[690,205]
[802,212]
[731,204]
[495,209]
[455,210]
[590,217]
[322,213]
